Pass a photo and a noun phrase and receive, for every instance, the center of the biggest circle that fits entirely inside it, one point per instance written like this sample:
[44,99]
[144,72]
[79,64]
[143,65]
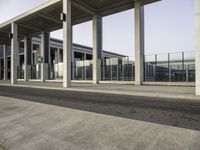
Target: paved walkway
[26,125]
[175,92]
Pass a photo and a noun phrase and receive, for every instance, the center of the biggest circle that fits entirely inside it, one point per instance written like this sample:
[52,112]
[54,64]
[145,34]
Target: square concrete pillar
[5,56]
[27,58]
[67,43]
[139,42]
[197,39]
[29,51]
[44,53]
[97,48]
[14,53]
[50,59]
[0,69]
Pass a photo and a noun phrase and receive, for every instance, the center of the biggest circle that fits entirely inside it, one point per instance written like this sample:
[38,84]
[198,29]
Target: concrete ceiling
[46,17]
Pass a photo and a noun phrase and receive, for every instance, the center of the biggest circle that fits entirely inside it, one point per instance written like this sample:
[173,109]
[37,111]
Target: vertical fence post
[85,67]
[187,73]
[183,65]
[155,67]
[145,68]
[111,69]
[169,68]
[82,69]
[117,69]
[103,68]
[128,68]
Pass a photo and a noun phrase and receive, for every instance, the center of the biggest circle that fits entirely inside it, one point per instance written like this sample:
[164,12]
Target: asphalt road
[39,119]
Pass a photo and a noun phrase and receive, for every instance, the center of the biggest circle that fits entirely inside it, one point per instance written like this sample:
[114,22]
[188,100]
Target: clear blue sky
[169,26]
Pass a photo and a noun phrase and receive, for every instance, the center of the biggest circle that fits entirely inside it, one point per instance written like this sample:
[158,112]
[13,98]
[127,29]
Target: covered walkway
[58,14]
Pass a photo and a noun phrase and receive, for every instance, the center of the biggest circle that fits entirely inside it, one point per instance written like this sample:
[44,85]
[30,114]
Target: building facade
[81,61]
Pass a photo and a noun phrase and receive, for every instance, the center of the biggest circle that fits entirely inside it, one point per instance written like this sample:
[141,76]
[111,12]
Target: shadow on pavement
[178,113]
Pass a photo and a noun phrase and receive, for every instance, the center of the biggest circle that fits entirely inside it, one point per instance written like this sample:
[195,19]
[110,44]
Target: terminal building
[31,53]
[81,59]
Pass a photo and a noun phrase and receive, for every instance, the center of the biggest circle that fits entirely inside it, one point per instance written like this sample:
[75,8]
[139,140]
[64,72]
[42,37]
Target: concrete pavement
[35,126]
[173,92]
[39,119]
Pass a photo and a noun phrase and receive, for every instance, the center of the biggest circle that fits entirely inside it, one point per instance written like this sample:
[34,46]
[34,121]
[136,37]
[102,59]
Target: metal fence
[82,70]
[56,72]
[117,69]
[171,67]
[20,72]
[35,72]
[1,73]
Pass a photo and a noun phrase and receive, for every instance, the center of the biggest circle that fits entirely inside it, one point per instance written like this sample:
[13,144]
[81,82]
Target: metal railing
[2,73]
[56,72]
[20,72]
[35,72]
[82,70]
[117,69]
[171,67]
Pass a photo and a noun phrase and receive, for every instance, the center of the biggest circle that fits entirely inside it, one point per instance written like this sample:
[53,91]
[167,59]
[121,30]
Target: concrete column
[50,59]
[67,44]
[197,37]
[29,51]
[0,69]
[44,53]
[25,57]
[97,48]
[14,53]
[47,48]
[49,53]
[29,58]
[5,55]
[139,42]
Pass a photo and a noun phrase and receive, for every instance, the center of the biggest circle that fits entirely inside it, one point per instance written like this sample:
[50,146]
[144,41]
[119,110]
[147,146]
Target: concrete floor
[121,87]
[39,119]
[181,92]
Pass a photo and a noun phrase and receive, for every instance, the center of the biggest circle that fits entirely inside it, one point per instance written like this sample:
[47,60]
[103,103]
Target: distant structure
[80,54]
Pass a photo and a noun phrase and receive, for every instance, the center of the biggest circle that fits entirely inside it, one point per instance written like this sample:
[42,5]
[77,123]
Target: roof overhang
[46,17]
